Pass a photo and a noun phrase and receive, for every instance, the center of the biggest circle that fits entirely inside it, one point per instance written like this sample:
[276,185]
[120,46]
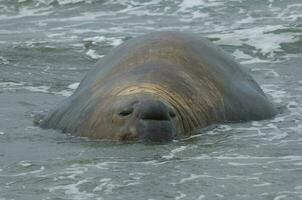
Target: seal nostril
[154,114]
[154,110]
[126,112]
[172,114]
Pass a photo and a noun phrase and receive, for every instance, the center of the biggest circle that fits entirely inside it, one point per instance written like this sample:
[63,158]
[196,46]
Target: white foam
[193,177]
[42,89]
[274,90]
[219,129]
[201,197]
[132,184]
[190,9]
[291,12]
[1,133]
[74,86]
[247,20]
[198,14]
[10,84]
[53,35]
[278,119]
[42,168]
[298,187]
[92,53]
[235,177]
[292,104]
[116,42]
[65,2]
[174,151]
[180,195]
[179,149]
[26,12]
[268,73]
[260,37]
[256,123]
[25,163]
[271,74]
[242,164]
[273,133]
[247,157]
[74,171]
[22,86]
[189,4]
[113,41]
[64,93]
[73,190]
[106,186]
[262,184]
[96,39]
[3,60]
[241,55]
[255,60]
[280,197]
[68,92]
[277,136]
[298,164]
[60,2]
[137,8]
[135,175]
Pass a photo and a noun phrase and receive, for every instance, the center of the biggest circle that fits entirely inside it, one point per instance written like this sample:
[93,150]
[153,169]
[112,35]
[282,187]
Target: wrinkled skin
[158,87]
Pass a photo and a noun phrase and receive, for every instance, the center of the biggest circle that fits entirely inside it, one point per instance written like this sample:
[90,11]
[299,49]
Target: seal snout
[155,122]
[154,110]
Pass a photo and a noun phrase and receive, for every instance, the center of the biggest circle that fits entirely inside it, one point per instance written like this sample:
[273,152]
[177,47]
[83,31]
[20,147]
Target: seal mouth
[156,131]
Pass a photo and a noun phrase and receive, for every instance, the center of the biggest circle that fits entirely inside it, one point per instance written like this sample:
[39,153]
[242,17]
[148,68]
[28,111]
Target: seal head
[157,87]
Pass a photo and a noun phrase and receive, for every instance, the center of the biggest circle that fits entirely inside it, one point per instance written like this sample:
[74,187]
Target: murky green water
[47,46]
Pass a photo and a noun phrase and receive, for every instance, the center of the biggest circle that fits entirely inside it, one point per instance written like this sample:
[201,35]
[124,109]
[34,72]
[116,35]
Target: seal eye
[172,114]
[126,112]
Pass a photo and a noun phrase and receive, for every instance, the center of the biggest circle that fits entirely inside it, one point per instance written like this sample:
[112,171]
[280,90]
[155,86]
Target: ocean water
[47,46]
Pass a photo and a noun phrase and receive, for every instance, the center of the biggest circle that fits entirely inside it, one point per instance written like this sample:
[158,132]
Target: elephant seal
[157,87]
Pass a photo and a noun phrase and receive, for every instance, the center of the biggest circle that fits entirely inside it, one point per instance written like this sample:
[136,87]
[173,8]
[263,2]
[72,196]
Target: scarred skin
[188,81]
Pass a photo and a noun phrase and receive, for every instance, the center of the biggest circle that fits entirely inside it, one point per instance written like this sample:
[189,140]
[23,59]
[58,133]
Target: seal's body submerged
[159,86]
